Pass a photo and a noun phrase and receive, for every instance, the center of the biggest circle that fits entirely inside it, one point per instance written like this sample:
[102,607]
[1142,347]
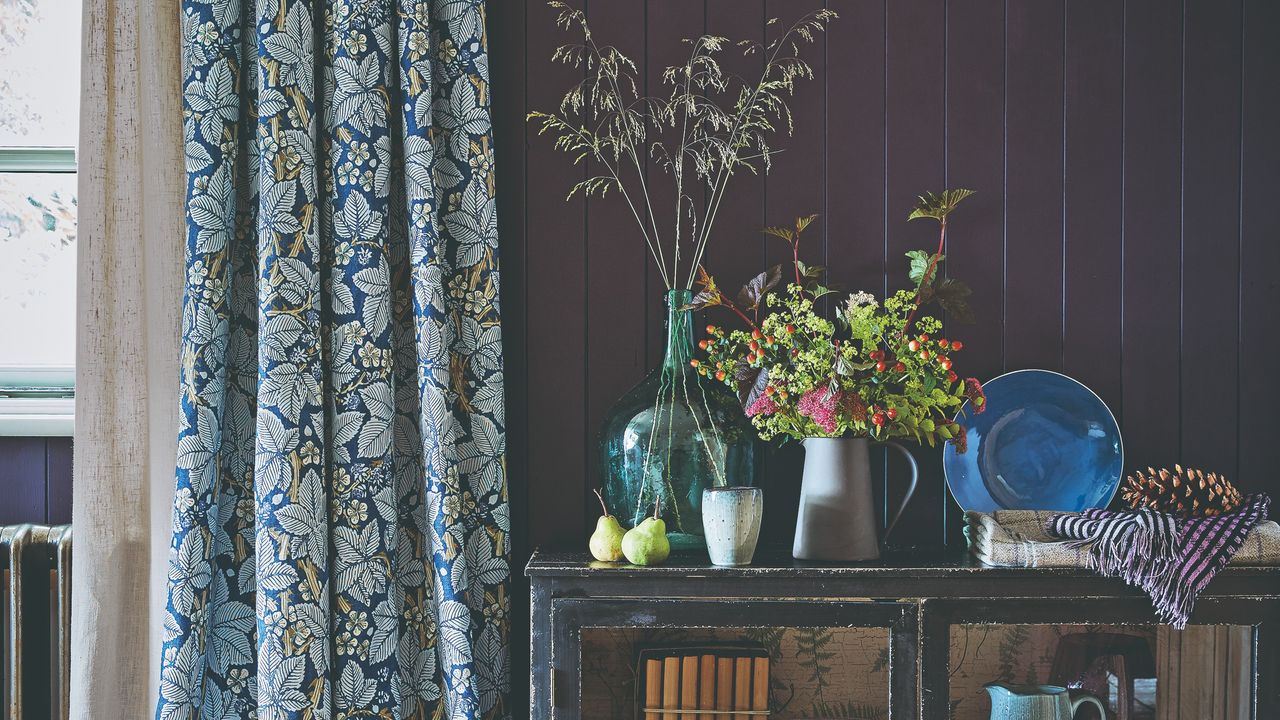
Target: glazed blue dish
[1045,442]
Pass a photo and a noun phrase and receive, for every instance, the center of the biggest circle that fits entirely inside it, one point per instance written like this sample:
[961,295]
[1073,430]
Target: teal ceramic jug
[1037,702]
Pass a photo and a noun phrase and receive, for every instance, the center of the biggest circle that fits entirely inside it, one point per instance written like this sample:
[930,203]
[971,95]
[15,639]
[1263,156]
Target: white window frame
[37,401]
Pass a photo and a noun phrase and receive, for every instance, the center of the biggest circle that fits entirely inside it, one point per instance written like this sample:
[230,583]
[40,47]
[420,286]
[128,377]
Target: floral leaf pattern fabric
[340,540]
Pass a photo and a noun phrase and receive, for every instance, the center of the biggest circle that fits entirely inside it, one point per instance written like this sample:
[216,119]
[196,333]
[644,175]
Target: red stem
[928,271]
[729,304]
[795,259]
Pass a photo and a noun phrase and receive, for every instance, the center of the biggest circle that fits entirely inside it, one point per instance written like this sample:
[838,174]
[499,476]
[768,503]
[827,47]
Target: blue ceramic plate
[1045,442]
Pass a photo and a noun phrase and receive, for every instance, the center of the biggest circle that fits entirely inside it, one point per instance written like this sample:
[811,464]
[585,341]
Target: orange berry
[956,345]
[720,375]
[694,363]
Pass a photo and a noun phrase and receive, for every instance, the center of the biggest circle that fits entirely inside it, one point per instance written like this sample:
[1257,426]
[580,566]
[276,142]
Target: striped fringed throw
[1169,558]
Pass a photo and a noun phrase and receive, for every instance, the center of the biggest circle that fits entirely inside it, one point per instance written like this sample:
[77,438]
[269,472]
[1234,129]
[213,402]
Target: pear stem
[602,505]
[657,505]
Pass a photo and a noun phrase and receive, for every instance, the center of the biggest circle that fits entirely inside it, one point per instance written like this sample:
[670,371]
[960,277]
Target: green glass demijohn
[673,435]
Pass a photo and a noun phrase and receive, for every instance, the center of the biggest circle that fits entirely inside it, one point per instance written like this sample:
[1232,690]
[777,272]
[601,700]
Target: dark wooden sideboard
[917,598]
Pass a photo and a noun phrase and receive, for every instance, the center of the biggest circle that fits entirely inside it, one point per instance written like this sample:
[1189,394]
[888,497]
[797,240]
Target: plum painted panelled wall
[35,480]
[1127,168]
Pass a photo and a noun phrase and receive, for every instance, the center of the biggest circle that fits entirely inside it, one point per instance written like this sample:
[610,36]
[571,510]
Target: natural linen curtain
[129,277]
[340,530]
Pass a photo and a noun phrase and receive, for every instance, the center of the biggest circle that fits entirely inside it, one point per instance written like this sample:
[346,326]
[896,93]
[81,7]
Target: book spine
[652,687]
[724,684]
[742,686]
[688,684]
[707,687]
[760,683]
[671,687]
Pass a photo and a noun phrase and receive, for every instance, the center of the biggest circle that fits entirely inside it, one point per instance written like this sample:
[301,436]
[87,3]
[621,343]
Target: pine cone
[1184,493]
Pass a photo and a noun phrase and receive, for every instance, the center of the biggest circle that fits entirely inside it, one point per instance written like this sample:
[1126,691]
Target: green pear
[646,543]
[606,541]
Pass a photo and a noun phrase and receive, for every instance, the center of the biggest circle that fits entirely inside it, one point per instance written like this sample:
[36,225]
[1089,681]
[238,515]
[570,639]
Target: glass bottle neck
[679,330]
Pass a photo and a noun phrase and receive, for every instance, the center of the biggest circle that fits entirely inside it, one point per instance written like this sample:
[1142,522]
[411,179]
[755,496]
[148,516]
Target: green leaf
[953,296]
[811,276]
[920,261]
[938,206]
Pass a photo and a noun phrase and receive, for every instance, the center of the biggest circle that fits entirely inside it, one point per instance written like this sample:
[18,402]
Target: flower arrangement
[879,370]
[709,126]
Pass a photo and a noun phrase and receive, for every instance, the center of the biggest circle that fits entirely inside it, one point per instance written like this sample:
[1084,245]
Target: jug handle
[1083,698]
[915,475]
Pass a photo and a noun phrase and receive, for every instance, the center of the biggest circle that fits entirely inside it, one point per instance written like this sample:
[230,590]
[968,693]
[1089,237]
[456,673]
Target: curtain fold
[339,544]
[129,260]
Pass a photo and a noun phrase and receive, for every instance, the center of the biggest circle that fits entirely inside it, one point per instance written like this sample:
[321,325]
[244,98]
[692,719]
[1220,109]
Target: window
[39,123]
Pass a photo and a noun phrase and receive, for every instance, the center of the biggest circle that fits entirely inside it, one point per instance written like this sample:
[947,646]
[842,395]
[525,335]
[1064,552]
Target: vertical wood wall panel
[915,157]
[1152,231]
[1094,243]
[616,302]
[22,480]
[508,63]
[556,291]
[1259,339]
[662,50]
[975,83]
[736,251]
[855,213]
[57,455]
[796,186]
[975,160]
[1034,190]
[1211,235]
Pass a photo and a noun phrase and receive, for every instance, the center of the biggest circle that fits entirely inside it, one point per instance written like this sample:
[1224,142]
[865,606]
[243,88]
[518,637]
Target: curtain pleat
[340,534]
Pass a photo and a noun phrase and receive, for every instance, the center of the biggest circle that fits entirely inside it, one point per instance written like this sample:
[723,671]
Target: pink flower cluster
[973,391]
[821,406]
[762,405]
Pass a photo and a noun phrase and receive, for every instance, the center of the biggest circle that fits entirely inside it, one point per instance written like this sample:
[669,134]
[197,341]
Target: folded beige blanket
[1017,538]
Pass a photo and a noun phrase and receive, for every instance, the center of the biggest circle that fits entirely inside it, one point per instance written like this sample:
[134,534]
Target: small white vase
[731,521]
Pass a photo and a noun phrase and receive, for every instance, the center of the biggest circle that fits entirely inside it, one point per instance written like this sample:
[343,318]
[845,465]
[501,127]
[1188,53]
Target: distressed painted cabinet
[921,619]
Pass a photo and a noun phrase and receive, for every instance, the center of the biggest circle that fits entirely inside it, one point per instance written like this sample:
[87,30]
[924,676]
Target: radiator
[36,627]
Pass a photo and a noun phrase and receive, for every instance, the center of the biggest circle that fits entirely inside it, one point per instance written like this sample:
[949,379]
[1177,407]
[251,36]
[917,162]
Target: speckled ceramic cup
[731,521]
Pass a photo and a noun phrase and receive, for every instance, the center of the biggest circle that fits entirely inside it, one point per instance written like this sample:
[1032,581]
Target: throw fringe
[1171,560]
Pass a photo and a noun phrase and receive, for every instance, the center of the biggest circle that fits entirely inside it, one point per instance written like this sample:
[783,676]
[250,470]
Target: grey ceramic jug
[837,518]
[1037,702]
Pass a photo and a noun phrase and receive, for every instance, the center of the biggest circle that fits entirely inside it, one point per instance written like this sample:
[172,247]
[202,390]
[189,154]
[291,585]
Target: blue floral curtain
[340,534]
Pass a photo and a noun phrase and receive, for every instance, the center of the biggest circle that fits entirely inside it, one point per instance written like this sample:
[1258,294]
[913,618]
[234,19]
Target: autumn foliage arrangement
[879,369]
